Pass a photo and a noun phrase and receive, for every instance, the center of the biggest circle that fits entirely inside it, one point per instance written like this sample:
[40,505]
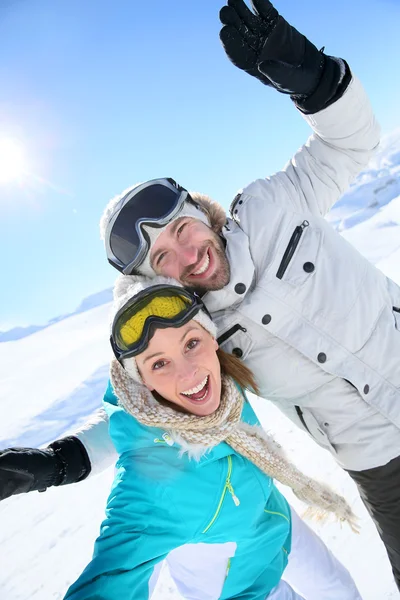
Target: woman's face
[181,364]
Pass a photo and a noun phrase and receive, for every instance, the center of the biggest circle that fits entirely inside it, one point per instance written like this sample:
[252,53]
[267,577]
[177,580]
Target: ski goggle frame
[155,203]
[122,349]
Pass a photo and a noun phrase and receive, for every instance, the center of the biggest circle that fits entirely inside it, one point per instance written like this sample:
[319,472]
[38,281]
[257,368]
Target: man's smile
[203,268]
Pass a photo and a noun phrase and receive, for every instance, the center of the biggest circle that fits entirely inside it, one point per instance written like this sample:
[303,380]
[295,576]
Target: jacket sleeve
[140,529]
[94,435]
[345,135]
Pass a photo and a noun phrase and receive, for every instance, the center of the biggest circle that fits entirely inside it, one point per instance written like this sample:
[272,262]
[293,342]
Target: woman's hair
[232,366]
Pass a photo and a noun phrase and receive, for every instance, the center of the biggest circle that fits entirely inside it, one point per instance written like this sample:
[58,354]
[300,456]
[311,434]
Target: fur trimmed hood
[214,211]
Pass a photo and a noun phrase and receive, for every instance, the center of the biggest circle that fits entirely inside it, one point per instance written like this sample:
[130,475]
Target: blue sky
[102,94]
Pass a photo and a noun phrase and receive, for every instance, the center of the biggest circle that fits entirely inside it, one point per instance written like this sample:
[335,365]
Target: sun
[12,160]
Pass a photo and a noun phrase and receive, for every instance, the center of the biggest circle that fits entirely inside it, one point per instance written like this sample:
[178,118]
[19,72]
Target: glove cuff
[334,81]
[73,463]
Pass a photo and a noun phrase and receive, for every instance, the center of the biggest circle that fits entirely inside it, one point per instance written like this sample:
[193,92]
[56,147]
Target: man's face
[192,253]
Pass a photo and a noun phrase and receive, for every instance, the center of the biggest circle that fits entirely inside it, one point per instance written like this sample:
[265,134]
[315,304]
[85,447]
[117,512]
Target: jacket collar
[242,270]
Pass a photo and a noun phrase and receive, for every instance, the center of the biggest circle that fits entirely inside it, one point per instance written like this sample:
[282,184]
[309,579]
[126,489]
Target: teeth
[196,389]
[204,267]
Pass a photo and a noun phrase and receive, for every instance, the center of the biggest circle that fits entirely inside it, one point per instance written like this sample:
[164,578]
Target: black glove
[27,469]
[264,45]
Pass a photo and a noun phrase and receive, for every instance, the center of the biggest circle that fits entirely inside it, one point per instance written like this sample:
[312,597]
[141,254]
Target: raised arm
[346,134]
[264,45]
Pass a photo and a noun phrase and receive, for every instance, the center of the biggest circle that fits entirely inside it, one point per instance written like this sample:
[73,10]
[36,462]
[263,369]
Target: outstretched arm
[71,459]
[25,470]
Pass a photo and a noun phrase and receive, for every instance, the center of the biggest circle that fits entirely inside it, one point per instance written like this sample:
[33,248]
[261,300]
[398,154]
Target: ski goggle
[160,306]
[155,203]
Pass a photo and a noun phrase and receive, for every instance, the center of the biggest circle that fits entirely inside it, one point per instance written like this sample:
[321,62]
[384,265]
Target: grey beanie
[128,286]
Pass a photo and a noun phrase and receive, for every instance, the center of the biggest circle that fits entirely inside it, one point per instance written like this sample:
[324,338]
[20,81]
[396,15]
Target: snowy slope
[17,333]
[52,379]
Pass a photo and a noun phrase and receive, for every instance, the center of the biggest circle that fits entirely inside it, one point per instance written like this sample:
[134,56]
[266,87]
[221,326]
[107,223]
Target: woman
[194,476]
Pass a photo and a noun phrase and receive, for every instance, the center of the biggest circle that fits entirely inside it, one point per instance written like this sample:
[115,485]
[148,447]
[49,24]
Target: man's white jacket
[303,308]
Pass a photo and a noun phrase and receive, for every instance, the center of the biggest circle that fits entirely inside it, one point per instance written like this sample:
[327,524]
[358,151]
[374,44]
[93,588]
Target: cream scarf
[225,425]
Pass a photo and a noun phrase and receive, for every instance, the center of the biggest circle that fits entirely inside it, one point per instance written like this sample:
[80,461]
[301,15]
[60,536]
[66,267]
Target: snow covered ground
[52,379]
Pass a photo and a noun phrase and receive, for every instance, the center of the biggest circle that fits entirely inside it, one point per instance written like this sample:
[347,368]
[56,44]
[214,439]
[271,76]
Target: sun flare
[12,160]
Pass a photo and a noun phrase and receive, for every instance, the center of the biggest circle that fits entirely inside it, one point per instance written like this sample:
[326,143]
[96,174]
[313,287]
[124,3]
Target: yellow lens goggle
[158,306]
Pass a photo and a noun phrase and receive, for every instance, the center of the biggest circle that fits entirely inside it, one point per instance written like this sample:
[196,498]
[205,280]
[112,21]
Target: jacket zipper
[291,248]
[227,487]
[225,336]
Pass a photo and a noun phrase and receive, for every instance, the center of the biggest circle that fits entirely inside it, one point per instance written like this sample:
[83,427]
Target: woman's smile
[182,366]
[201,393]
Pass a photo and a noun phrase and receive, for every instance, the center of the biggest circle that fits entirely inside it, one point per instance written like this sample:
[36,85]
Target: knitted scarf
[225,425]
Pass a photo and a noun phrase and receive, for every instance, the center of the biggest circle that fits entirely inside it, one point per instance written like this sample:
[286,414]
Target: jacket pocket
[396,314]
[299,258]
[291,249]
[235,340]
[311,425]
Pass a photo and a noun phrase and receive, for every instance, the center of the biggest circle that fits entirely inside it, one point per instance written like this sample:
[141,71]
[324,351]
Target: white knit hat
[128,286]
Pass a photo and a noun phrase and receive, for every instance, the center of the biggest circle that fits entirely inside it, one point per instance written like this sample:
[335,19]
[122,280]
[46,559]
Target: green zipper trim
[228,568]
[227,486]
[271,512]
[284,549]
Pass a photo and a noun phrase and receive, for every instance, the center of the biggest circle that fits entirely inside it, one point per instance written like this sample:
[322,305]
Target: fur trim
[215,212]
[193,451]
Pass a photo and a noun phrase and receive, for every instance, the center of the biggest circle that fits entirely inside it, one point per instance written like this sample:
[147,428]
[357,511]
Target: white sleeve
[345,136]
[95,437]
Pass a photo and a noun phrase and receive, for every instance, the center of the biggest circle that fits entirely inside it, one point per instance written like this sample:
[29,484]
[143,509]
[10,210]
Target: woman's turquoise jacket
[161,499]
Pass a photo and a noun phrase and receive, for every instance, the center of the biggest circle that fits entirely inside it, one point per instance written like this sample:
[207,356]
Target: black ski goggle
[160,306]
[155,203]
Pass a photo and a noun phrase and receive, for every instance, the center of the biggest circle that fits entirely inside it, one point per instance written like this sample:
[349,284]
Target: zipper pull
[236,500]
[304,224]
[232,493]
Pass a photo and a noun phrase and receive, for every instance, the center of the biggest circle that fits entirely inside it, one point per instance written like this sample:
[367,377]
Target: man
[317,324]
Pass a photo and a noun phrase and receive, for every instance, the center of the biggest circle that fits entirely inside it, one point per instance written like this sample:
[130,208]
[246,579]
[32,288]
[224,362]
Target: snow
[97,299]
[53,378]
